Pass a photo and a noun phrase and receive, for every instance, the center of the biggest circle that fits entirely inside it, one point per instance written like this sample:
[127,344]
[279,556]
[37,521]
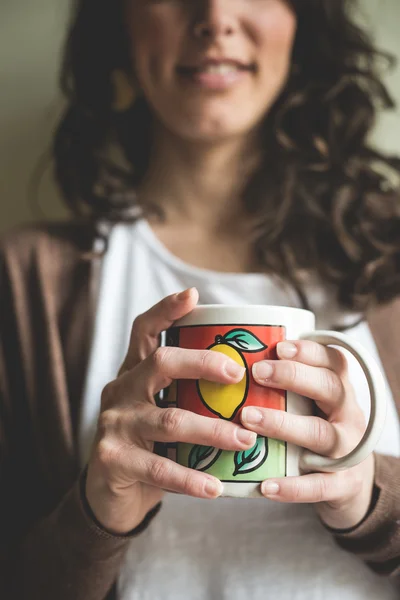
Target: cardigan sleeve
[376,540]
[66,555]
[50,546]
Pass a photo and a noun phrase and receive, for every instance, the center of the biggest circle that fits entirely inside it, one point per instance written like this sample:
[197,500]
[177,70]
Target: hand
[125,478]
[342,499]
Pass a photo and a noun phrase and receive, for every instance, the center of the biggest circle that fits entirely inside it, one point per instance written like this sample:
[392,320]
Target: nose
[213,19]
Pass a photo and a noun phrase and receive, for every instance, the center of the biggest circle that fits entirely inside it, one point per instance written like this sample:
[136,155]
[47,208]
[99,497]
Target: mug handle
[310,461]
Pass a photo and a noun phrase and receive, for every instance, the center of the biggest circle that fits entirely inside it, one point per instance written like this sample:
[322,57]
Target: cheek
[154,40]
[274,31]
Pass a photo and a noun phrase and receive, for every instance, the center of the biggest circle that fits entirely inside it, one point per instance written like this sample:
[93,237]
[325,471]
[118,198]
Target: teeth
[222,69]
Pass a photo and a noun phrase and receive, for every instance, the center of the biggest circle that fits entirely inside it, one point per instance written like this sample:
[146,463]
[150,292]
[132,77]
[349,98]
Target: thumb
[147,327]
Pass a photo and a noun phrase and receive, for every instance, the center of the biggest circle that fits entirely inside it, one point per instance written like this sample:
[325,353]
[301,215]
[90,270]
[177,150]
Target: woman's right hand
[125,478]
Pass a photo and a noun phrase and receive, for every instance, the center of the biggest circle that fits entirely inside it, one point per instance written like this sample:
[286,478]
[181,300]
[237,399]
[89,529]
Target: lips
[216,67]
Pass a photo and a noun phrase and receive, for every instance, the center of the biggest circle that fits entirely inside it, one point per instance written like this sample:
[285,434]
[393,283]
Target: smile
[216,74]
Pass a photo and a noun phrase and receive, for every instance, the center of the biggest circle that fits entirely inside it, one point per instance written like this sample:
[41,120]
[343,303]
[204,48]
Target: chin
[216,129]
[213,137]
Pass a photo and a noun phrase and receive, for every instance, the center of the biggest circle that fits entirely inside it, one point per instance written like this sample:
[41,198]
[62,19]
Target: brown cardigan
[50,548]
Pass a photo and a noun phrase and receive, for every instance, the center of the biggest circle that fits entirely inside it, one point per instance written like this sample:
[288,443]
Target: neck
[198,183]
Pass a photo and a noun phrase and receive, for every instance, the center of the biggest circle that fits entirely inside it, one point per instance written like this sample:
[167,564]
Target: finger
[177,425]
[148,326]
[137,464]
[316,487]
[169,363]
[313,354]
[313,433]
[322,385]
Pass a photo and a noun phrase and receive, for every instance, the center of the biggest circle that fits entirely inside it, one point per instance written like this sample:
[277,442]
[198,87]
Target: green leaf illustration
[202,457]
[244,340]
[250,460]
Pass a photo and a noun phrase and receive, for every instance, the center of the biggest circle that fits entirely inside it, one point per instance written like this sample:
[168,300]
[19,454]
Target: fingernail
[234,370]
[213,489]
[269,488]
[262,371]
[251,415]
[287,349]
[248,438]
[184,295]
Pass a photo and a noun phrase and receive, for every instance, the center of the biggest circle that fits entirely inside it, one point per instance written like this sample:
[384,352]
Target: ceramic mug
[248,334]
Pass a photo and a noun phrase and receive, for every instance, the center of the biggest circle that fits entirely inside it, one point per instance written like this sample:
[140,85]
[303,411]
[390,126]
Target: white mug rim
[253,306]
[227,314]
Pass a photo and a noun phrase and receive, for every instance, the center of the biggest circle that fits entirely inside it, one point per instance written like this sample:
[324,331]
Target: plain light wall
[30,42]
[31,36]
[383,18]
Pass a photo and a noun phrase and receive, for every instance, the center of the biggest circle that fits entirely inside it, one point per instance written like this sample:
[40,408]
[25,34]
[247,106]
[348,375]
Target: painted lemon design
[225,400]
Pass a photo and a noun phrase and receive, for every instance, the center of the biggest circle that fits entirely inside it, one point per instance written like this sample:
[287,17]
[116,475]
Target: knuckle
[314,351]
[322,489]
[108,453]
[320,433]
[332,384]
[218,429]
[158,472]
[279,422]
[160,356]
[171,421]
[189,486]
[292,372]
[206,360]
[107,421]
[296,491]
[212,362]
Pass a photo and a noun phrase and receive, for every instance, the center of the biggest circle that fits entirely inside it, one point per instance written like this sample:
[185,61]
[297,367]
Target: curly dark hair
[326,201]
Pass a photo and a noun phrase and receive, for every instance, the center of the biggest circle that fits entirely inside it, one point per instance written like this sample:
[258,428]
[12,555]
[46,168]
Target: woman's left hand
[307,368]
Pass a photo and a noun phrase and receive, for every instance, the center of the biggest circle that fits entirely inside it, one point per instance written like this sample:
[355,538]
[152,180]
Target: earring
[124,92]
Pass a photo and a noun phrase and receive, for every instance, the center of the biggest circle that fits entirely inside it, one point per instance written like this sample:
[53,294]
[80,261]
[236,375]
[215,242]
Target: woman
[248,178]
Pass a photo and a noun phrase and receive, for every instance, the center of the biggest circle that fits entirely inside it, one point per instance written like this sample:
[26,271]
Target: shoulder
[47,261]
[56,239]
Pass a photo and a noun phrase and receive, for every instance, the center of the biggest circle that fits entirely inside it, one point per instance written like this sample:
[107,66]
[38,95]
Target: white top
[191,549]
